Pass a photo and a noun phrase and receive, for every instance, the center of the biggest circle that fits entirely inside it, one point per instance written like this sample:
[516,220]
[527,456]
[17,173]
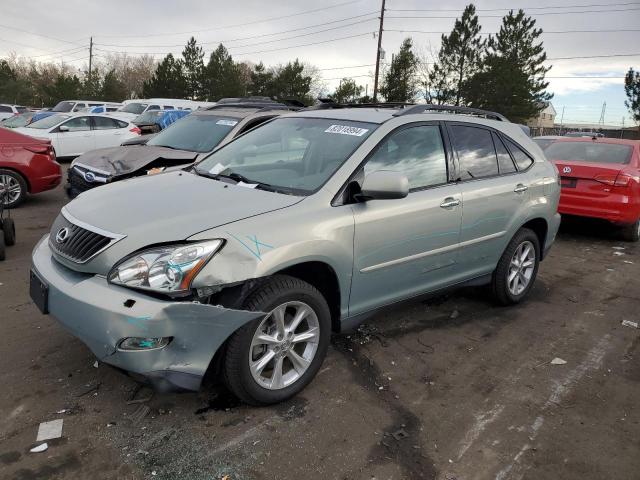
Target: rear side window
[103,123]
[523,160]
[78,124]
[21,109]
[120,123]
[589,152]
[4,109]
[505,163]
[154,107]
[416,152]
[476,152]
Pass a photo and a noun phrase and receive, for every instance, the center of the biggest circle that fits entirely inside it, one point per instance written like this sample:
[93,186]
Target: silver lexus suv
[245,263]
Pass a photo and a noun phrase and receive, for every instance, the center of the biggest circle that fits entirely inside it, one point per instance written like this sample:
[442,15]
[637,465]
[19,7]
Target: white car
[73,134]
[8,110]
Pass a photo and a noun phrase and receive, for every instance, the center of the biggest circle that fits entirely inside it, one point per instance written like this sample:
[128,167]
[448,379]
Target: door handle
[450,202]
[520,188]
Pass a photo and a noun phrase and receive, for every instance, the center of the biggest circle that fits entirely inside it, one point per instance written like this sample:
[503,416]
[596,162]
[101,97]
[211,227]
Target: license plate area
[568,182]
[39,292]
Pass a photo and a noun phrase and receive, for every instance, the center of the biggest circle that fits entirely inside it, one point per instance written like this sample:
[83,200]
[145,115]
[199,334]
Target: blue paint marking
[139,322]
[254,246]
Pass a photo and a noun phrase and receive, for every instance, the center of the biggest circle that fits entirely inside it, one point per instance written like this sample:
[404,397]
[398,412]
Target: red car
[27,165]
[600,178]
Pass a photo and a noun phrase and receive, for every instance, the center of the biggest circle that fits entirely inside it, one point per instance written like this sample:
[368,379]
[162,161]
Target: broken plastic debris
[558,361]
[629,323]
[455,314]
[40,448]
[95,364]
[49,430]
[618,248]
[59,412]
[628,261]
[618,253]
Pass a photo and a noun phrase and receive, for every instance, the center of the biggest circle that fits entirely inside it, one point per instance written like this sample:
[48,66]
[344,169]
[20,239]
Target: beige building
[545,118]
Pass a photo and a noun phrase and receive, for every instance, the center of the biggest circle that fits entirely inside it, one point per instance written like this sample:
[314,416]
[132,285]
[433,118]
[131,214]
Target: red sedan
[27,165]
[601,179]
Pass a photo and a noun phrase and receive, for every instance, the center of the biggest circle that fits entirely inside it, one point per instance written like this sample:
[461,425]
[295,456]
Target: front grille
[76,243]
[78,183]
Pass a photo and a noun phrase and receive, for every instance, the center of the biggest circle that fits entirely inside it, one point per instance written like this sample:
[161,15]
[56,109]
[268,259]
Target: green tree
[223,77]
[167,81]
[261,81]
[458,59]
[63,87]
[113,89]
[9,86]
[291,82]
[632,89]
[511,80]
[193,68]
[400,83]
[347,92]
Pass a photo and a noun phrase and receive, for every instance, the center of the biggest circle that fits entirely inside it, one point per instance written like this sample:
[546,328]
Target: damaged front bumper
[101,315]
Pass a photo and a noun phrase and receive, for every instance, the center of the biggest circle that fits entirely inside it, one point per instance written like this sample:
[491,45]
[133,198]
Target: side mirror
[384,185]
[63,128]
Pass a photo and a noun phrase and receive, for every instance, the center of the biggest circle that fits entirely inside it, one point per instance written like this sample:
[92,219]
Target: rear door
[77,139]
[493,195]
[407,246]
[107,132]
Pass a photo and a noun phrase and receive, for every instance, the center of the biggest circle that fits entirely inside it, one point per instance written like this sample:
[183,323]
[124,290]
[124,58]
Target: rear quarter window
[523,160]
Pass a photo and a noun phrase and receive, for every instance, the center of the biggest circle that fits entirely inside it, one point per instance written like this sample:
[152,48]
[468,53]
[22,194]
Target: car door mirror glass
[63,128]
[384,185]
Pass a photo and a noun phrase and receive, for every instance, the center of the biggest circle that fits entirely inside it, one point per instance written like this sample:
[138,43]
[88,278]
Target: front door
[77,139]
[407,246]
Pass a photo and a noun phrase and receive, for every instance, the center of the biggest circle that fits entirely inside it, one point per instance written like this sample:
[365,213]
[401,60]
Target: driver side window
[78,124]
[416,152]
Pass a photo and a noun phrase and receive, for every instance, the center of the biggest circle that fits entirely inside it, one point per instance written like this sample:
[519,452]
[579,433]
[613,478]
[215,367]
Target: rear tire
[631,233]
[517,269]
[16,185]
[9,230]
[246,349]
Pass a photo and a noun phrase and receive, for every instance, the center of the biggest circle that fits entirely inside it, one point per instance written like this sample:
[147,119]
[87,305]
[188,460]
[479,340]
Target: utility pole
[90,57]
[622,129]
[375,81]
[562,120]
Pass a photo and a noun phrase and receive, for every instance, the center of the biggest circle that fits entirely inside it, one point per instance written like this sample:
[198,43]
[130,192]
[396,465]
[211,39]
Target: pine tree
[512,77]
[400,84]
[290,82]
[459,58]
[632,90]
[113,89]
[193,67]
[223,78]
[167,81]
[347,92]
[261,83]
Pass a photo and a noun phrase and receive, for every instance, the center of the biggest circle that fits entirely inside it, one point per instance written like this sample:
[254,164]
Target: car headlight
[167,269]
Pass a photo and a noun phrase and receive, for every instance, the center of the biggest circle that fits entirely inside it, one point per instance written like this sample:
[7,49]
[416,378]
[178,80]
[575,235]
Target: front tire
[516,272]
[276,356]
[9,229]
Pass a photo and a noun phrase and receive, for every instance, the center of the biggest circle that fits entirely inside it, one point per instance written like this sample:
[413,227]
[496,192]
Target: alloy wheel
[13,188]
[521,268]
[284,345]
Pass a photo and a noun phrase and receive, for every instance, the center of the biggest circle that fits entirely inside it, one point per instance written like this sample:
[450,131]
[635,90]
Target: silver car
[244,264]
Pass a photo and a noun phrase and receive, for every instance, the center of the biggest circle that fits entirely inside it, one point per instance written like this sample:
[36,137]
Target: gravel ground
[451,389]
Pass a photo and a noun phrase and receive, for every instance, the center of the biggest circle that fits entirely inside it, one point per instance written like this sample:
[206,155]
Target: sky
[342,34]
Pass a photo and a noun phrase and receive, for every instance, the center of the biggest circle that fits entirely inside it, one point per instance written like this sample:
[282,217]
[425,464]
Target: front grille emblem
[62,235]
[90,177]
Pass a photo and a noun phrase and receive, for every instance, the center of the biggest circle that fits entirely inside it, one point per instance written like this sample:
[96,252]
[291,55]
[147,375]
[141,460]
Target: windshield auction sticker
[347,130]
[229,123]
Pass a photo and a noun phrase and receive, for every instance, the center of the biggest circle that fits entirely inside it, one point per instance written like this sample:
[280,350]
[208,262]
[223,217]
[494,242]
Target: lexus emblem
[90,177]
[566,170]
[62,235]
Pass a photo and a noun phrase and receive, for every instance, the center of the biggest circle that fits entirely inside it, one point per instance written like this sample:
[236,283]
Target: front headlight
[167,269]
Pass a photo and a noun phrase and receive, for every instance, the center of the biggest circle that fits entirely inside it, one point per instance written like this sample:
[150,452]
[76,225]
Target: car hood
[117,161]
[163,208]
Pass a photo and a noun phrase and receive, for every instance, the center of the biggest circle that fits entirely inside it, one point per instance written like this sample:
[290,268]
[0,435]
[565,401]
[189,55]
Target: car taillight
[620,180]
[38,148]
[136,130]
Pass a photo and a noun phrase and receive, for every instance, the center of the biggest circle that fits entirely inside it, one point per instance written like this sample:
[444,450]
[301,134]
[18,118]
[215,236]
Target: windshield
[48,122]
[589,152]
[136,108]
[17,120]
[148,117]
[296,154]
[63,107]
[195,133]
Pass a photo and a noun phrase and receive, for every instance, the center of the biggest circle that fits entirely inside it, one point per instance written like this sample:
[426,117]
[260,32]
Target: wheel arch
[540,227]
[22,175]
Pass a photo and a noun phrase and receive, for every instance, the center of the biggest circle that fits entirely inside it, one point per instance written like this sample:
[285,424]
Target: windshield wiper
[237,177]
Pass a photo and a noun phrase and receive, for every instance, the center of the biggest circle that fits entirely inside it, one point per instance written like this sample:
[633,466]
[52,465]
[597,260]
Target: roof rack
[451,109]
[259,105]
[328,104]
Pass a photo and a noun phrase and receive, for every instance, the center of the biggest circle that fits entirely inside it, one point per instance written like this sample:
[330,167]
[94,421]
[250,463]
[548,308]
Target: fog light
[142,343]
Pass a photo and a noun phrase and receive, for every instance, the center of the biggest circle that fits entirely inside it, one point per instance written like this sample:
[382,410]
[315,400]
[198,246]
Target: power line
[548,7]
[543,32]
[37,34]
[224,27]
[597,56]
[250,37]
[350,66]
[575,12]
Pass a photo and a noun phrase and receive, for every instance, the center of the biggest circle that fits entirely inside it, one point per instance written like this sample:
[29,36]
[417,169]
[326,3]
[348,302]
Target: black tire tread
[265,290]
[499,280]
[2,246]
[630,233]
[9,229]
